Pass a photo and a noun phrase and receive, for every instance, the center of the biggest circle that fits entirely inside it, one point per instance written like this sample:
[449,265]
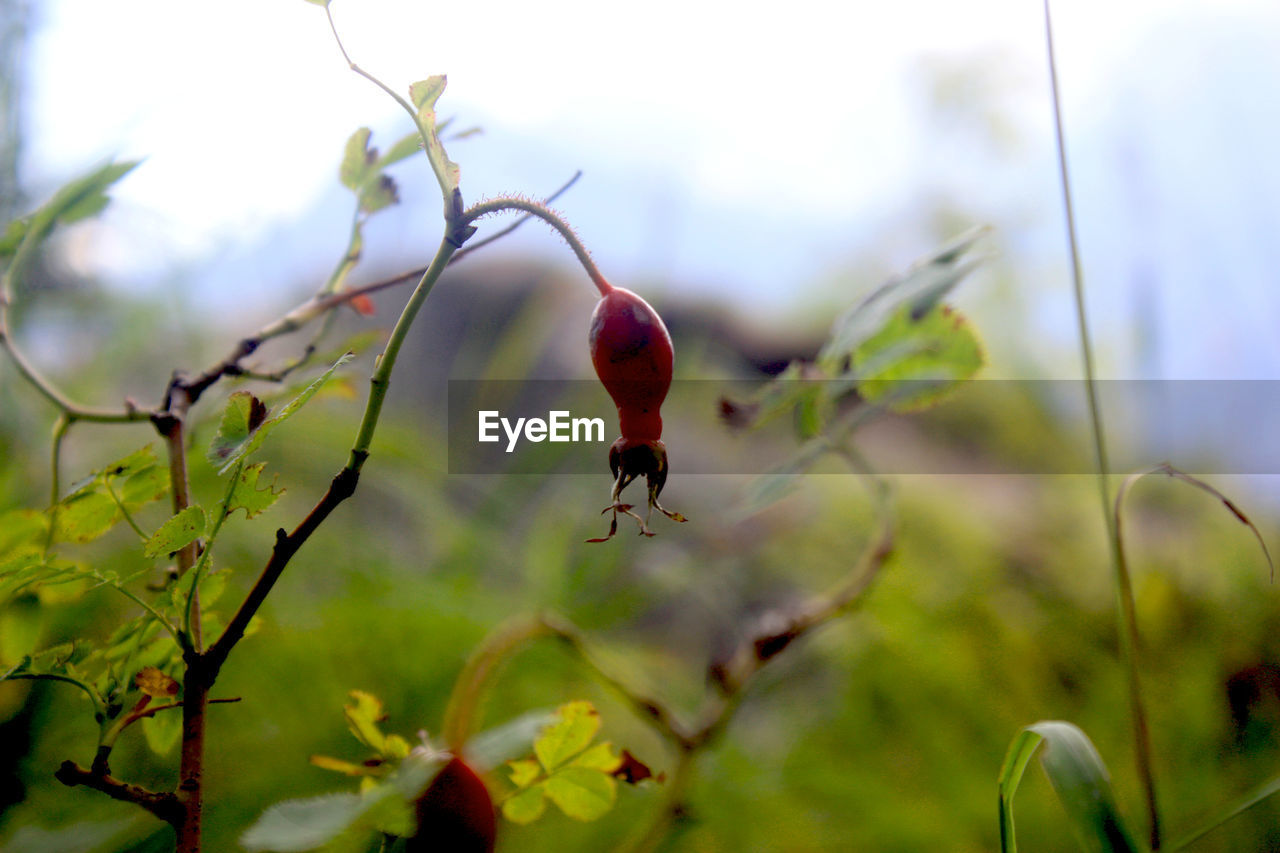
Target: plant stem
[533,208]
[380,381]
[344,482]
[1125,610]
[195,698]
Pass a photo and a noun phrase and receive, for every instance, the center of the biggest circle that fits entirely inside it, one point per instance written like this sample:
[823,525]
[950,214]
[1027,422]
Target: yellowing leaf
[581,792]
[347,768]
[524,771]
[526,806]
[396,747]
[155,683]
[363,718]
[912,363]
[575,726]
[599,757]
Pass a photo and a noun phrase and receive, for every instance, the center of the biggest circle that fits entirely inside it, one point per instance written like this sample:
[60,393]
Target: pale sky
[724,147]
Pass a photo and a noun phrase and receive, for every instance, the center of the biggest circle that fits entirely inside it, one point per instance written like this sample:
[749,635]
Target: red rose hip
[632,354]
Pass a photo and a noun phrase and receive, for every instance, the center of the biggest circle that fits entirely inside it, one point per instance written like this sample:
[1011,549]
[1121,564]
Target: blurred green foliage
[883,731]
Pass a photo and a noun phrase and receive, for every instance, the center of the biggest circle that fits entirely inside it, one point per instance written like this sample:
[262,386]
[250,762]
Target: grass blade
[1249,800]
[1080,780]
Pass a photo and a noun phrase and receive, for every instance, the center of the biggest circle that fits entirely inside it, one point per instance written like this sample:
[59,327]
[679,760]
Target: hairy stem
[533,208]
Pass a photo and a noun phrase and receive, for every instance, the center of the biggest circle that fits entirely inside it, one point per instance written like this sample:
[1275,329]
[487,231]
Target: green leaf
[143,487]
[1078,776]
[176,533]
[253,438]
[358,161]
[378,194]
[918,291]
[582,793]
[575,726]
[82,197]
[363,717]
[526,806]
[12,236]
[509,740]
[247,496]
[85,516]
[524,771]
[22,623]
[425,93]
[914,363]
[22,531]
[324,3]
[1248,801]
[241,419]
[163,731]
[139,460]
[297,825]
[406,147]
[599,757]
[347,768]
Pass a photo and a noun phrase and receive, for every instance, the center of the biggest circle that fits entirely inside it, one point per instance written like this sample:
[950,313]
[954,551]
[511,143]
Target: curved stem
[462,710]
[533,208]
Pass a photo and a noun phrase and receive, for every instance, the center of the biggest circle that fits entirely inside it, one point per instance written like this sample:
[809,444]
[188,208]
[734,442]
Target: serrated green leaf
[298,825]
[915,363]
[357,160]
[576,724]
[176,533]
[524,771]
[255,437]
[917,292]
[363,716]
[142,458]
[526,806]
[582,793]
[86,516]
[509,740]
[163,731]
[1080,780]
[247,496]
[143,487]
[243,416]
[425,93]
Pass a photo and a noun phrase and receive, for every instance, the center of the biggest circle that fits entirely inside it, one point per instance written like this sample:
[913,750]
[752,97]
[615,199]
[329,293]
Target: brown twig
[287,544]
[163,805]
